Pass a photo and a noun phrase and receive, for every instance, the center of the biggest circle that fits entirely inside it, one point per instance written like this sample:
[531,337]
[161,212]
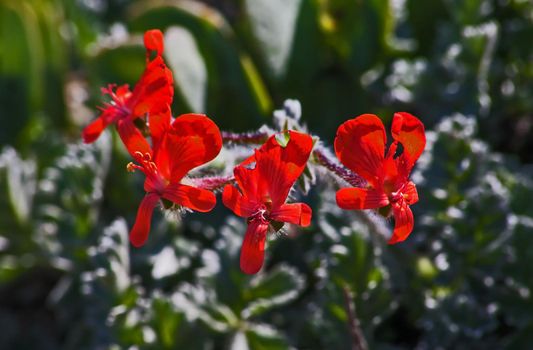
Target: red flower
[263,191]
[360,146]
[151,96]
[190,141]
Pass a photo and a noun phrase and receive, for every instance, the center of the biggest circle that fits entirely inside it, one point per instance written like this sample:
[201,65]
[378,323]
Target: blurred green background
[68,276]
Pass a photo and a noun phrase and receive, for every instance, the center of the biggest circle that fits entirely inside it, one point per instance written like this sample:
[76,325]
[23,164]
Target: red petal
[295,213]
[403,222]
[233,199]
[141,228]
[279,167]
[154,91]
[190,197]
[159,124]
[253,247]
[410,193]
[132,138]
[409,131]
[353,198]
[93,130]
[360,146]
[153,40]
[192,140]
[248,181]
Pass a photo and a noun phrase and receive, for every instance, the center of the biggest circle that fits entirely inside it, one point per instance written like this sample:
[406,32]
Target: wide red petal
[360,146]
[93,130]
[153,40]
[409,131]
[403,222]
[141,228]
[234,200]
[294,213]
[253,247]
[154,91]
[190,197]
[353,198]
[279,167]
[192,140]
[132,138]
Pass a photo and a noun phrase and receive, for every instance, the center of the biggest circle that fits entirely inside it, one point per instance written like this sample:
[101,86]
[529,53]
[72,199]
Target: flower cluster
[166,149]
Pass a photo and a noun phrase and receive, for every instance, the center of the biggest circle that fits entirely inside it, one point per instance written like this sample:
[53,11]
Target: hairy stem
[324,159]
[255,137]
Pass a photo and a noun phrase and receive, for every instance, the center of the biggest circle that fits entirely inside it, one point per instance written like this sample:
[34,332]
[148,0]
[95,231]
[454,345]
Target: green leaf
[187,65]
[277,287]
[273,23]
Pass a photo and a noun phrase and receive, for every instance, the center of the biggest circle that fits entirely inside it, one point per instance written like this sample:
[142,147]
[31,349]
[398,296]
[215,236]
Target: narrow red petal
[234,200]
[410,193]
[93,130]
[132,138]
[249,182]
[360,146]
[253,247]
[191,141]
[409,131]
[159,124]
[141,228]
[403,222]
[295,213]
[154,91]
[190,197]
[279,167]
[153,40]
[353,198]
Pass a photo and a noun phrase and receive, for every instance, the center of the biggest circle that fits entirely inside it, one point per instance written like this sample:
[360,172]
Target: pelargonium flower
[151,96]
[190,141]
[264,182]
[360,146]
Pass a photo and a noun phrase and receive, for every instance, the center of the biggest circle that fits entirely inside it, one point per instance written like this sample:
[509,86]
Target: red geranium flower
[360,146]
[263,191]
[190,141]
[151,96]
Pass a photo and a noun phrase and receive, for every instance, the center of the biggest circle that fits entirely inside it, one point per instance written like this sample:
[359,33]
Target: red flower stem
[256,137]
[327,161]
[358,339]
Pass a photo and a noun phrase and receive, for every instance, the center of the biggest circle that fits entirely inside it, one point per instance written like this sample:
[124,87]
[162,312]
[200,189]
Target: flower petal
[354,198]
[409,131]
[403,222]
[234,200]
[93,130]
[158,124]
[154,91]
[410,193]
[190,197]
[249,182]
[153,40]
[253,247]
[279,167]
[141,228]
[192,140]
[360,146]
[294,213]
[132,138]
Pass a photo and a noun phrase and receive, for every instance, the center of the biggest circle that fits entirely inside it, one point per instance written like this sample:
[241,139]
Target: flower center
[154,181]
[119,102]
[261,214]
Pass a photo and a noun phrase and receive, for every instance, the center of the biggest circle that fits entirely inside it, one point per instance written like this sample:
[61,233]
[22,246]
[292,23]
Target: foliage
[68,277]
